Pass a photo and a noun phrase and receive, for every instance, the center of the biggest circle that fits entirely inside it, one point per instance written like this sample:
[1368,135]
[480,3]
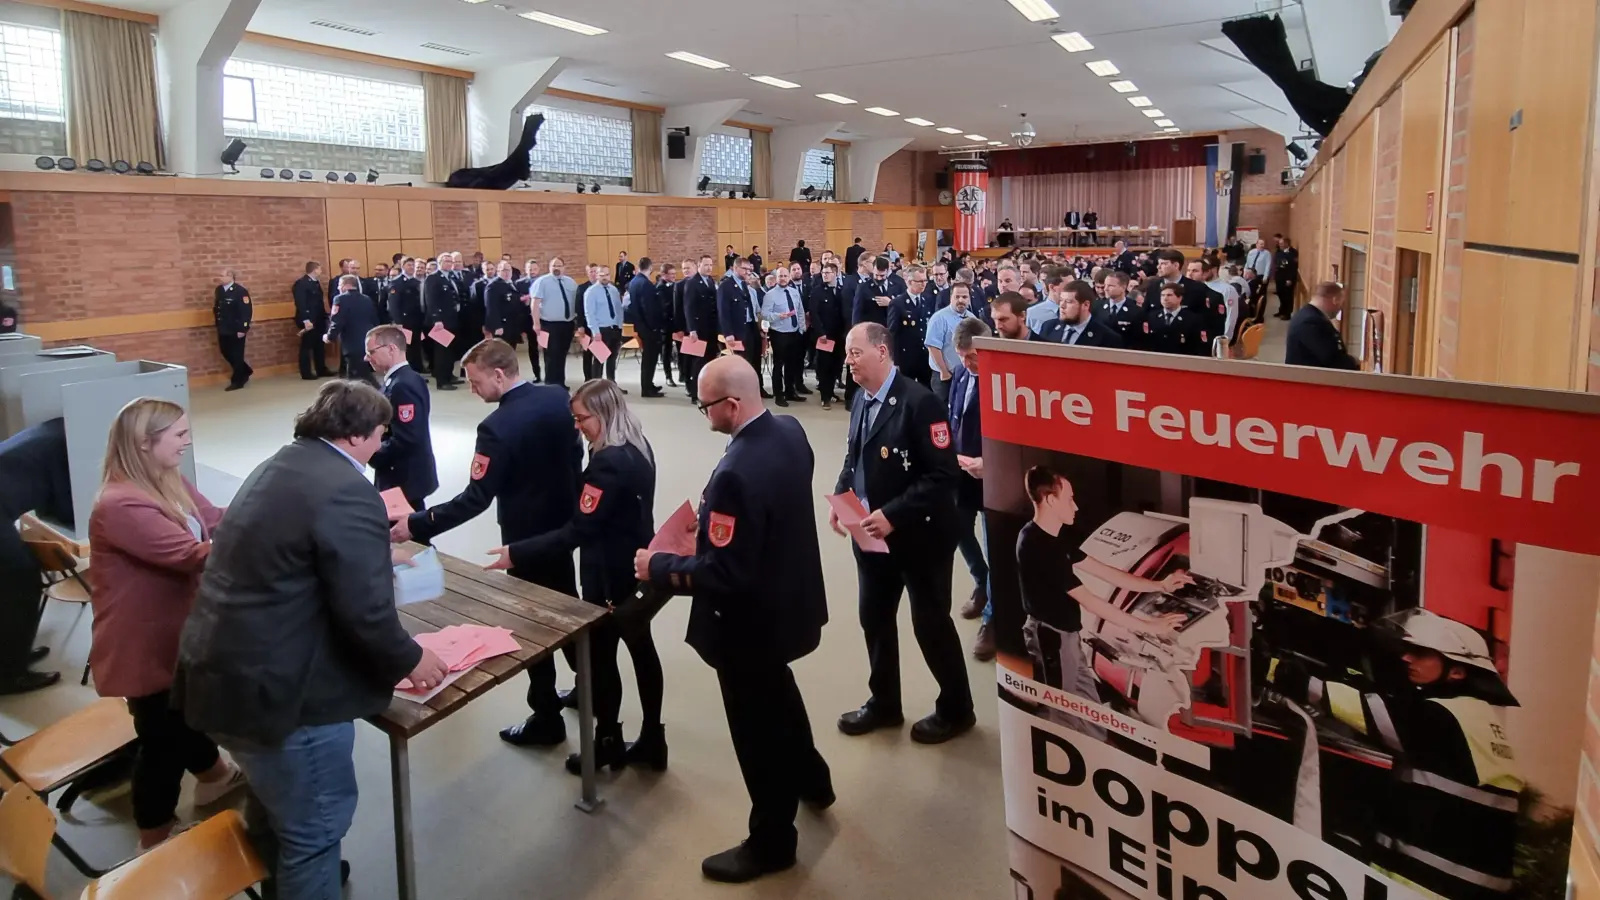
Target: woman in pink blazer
[149,536]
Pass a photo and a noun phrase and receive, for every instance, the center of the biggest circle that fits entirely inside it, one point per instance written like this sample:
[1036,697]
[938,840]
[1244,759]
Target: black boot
[609,750]
[569,699]
[650,749]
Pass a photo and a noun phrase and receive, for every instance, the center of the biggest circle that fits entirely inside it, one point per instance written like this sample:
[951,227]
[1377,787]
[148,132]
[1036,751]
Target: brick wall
[785,226]
[676,233]
[1385,211]
[869,227]
[544,230]
[1271,144]
[895,179]
[1270,219]
[1455,207]
[455,227]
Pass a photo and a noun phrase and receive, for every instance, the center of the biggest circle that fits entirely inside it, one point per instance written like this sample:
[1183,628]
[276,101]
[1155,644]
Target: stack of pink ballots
[459,647]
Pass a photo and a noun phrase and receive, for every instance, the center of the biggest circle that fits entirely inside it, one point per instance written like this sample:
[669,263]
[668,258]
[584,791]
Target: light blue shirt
[780,300]
[602,306]
[873,409]
[941,338]
[1041,313]
[359,466]
[556,294]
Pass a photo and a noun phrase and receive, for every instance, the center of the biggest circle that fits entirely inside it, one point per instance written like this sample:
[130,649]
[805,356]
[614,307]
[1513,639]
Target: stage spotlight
[305,174]
[95,165]
[372,176]
[594,187]
[705,182]
[350,177]
[580,187]
[230,155]
[286,174]
[1296,151]
[809,192]
[121,167]
[144,168]
[332,176]
[45,162]
[267,173]
[66,164]
[749,195]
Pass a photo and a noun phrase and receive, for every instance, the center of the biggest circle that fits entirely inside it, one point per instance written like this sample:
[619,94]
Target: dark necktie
[611,304]
[1168,317]
[566,305]
[1072,332]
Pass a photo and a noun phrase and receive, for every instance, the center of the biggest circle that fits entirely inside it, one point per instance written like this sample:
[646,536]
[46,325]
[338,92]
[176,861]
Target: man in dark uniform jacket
[36,480]
[623,274]
[648,312]
[1286,274]
[1121,311]
[875,295]
[852,255]
[312,318]
[739,316]
[1075,323]
[232,312]
[441,304]
[502,306]
[759,605]
[900,461]
[1122,259]
[405,310]
[831,320]
[1205,303]
[799,254]
[474,310]
[1313,340]
[405,459]
[908,327]
[1171,327]
[354,314]
[1212,302]
[523,282]
[700,319]
[527,460]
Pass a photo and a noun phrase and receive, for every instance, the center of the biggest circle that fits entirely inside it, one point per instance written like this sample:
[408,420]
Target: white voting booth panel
[19,343]
[14,366]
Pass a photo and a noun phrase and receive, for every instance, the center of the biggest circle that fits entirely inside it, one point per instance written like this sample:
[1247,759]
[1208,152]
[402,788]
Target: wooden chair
[211,861]
[1250,340]
[64,582]
[630,340]
[26,829]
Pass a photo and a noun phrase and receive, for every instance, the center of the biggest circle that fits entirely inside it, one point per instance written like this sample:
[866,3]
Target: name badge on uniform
[405,412]
[480,466]
[590,499]
[720,531]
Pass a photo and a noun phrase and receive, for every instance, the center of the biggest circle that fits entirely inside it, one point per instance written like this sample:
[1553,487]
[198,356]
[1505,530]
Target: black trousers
[650,353]
[829,364]
[555,355]
[417,351]
[668,352]
[558,574]
[1286,287]
[603,642]
[168,747]
[20,587]
[444,359]
[788,363]
[356,368]
[313,362]
[233,353]
[611,336]
[526,330]
[692,365]
[922,569]
[752,352]
[777,756]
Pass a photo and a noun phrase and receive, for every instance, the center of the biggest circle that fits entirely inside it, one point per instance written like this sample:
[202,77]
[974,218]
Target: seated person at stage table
[1006,234]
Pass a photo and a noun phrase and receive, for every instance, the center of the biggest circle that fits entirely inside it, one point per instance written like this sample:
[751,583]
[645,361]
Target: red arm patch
[589,501]
[405,412]
[940,432]
[720,531]
[480,466]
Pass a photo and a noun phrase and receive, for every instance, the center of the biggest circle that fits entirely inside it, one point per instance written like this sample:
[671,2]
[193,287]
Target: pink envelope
[735,346]
[544,339]
[847,506]
[676,534]
[441,334]
[583,341]
[407,332]
[693,346]
[825,344]
[599,351]
[394,503]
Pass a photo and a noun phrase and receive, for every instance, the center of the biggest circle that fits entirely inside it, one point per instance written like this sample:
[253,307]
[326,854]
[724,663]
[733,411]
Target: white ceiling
[973,64]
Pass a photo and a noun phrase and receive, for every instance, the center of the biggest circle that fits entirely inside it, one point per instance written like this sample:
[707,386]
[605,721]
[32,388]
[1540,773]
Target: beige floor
[494,821]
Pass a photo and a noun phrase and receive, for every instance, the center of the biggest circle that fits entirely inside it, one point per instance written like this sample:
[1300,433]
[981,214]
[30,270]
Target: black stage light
[66,164]
[749,195]
[1296,151]
[594,187]
[705,182]
[144,168]
[286,174]
[580,187]
[45,162]
[809,192]
[95,165]
[332,176]
[372,176]
[121,167]
[230,155]
[305,174]
[267,173]
[350,177]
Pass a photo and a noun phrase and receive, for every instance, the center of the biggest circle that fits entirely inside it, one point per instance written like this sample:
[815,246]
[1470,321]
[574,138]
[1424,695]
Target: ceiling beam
[271,40]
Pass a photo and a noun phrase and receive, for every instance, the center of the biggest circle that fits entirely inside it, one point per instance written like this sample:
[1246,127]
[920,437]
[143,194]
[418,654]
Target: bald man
[759,605]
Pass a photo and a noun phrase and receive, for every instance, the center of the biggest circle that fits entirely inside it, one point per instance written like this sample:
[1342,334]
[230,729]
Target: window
[578,143]
[290,104]
[726,158]
[819,170]
[31,74]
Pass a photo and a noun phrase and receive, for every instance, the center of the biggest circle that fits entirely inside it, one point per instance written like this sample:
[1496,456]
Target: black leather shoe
[38,655]
[650,750]
[936,729]
[796,398]
[867,719]
[446,387]
[651,395]
[569,699]
[28,681]
[783,401]
[233,387]
[765,396]
[344,872]
[803,391]
[742,864]
[536,732]
[308,378]
[609,750]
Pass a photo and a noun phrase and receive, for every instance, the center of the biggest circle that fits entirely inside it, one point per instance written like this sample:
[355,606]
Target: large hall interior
[770,263]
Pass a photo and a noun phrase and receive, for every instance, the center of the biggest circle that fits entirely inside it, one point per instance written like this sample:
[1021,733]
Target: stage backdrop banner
[1258,633]
[971,181]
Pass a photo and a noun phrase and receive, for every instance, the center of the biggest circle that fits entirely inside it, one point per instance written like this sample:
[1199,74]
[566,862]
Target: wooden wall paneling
[383,250]
[416,219]
[597,220]
[615,244]
[639,247]
[616,220]
[356,250]
[1489,137]
[1554,86]
[839,241]
[729,220]
[839,220]
[1536,338]
[1478,341]
[1358,179]
[1422,141]
[421,248]
[899,220]
[489,221]
[492,249]
[383,219]
[636,220]
[599,248]
[749,239]
[346,220]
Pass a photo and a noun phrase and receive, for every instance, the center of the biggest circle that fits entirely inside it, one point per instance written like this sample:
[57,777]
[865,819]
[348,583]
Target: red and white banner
[971,181]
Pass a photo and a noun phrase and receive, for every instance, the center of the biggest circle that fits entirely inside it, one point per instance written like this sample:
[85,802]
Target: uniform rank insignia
[883,452]
[940,431]
[480,466]
[590,500]
[721,530]
[405,412]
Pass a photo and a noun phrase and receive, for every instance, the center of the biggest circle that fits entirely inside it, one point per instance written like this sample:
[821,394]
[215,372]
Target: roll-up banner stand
[1272,632]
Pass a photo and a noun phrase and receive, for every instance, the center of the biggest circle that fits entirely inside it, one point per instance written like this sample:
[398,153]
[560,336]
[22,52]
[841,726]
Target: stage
[997,252]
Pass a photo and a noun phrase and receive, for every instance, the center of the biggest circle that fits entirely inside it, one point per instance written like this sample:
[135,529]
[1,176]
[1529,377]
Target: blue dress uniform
[1181,331]
[471,315]
[831,321]
[405,459]
[899,458]
[1125,318]
[908,334]
[648,309]
[501,316]
[866,308]
[1313,341]
[232,312]
[966,433]
[1093,333]
[441,303]
[308,308]
[759,605]
[740,319]
[405,310]
[354,314]
[527,460]
[702,320]
[520,320]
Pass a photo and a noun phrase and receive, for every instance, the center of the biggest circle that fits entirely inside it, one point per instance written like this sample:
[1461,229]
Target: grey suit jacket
[295,622]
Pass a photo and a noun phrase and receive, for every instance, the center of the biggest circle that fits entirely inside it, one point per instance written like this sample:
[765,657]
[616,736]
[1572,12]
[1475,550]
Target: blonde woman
[149,536]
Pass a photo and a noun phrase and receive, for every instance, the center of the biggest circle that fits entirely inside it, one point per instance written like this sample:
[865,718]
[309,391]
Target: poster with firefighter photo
[1215,687]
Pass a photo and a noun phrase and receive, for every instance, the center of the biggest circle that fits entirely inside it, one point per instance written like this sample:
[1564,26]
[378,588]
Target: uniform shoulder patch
[589,501]
[246,299]
[720,531]
[405,412]
[480,466]
[940,432]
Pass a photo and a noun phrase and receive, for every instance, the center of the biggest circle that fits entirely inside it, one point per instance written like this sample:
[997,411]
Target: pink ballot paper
[735,345]
[441,334]
[544,339]
[676,534]
[394,503]
[693,346]
[583,341]
[599,351]
[459,647]
[847,506]
[825,344]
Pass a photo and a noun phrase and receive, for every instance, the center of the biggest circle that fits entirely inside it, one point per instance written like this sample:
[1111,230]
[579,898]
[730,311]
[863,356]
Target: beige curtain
[841,172]
[761,164]
[1140,197]
[111,90]
[444,114]
[648,175]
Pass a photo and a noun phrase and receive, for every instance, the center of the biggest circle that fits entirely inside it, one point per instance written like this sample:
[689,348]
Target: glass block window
[577,143]
[726,158]
[238,99]
[819,170]
[31,74]
[323,107]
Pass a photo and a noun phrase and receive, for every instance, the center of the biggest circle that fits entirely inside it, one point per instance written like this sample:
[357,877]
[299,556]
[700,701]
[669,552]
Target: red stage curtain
[1142,198]
[1113,157]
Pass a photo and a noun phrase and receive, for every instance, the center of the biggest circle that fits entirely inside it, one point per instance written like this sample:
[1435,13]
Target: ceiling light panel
[975,137]
[997,143]
[1123,87]
[1072,42]
[1103,67]
[696,59]
[880,111]
[1154,113]
[1164,123]
[545,18]
[774,81]
[1170,130]
[1141,101]
[835,98]
[919,122]
[948,130]
[1035,10]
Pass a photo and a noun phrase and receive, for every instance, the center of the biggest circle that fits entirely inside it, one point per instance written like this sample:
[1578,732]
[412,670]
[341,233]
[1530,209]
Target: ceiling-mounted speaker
[1256,163]
[677,145]
[941,180]
[1132,149]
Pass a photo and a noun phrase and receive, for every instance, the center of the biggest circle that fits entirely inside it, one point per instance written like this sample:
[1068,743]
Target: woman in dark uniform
[612,522]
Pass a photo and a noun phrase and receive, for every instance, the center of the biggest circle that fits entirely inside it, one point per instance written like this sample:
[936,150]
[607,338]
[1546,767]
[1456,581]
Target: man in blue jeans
[967,429]
[294,634]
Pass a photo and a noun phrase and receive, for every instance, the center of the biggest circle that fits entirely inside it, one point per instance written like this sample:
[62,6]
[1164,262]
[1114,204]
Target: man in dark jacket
[405,460]
[625,271]
[830,321]
[36,480]
[294,633]
[852,255]
[799,254]
[648,311]
[354,314]
[700,317]
[231,310]
[739,316]
[405,310]
[1313,340]
[312,319]
[759,605]
[441,303]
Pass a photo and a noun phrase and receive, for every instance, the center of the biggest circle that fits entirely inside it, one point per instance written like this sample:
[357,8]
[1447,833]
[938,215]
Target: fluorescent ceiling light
[547,19]
[1170,130]
[775,82]
[1123,87]
[974,137]
[696,59]
[835,98]
[997,143]
[473,1]
[1164,123]
[1103,67]
[1072,42]
[1035,10]
[1154,113]
[1141,101]
[920,123]
[880,111]
[948,130]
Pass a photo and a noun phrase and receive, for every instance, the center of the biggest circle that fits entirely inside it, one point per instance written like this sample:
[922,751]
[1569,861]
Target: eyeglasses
[705,408]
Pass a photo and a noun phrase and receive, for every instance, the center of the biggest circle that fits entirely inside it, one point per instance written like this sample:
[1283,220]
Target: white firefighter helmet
[1455,640]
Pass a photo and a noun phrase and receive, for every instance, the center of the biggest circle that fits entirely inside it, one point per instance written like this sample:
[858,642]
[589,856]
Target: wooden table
[541,620]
